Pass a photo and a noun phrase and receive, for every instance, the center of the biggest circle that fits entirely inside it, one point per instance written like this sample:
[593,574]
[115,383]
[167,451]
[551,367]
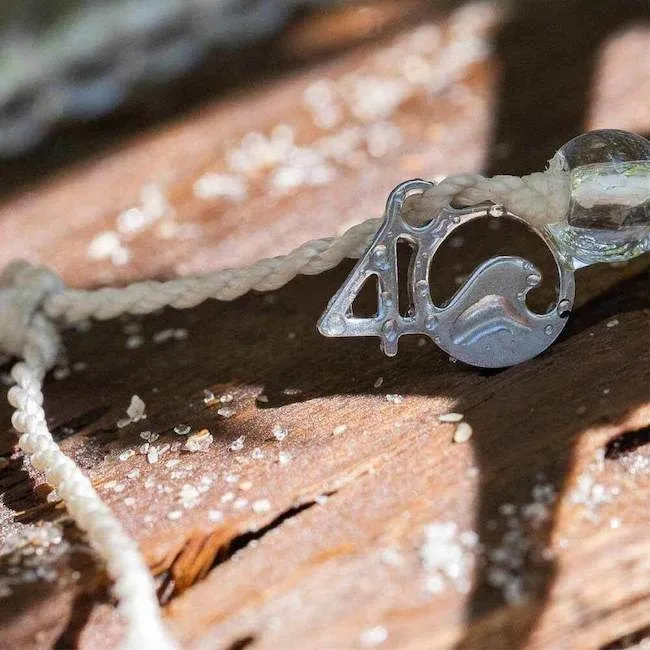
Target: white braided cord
[25,331]
[537,198]
[133,584]
[268,274]
[31,299]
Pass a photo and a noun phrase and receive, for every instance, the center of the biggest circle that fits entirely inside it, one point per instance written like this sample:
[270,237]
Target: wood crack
[627,442]
[202,553]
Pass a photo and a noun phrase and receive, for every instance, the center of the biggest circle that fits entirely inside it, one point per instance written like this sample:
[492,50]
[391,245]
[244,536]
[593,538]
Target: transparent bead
[609,212]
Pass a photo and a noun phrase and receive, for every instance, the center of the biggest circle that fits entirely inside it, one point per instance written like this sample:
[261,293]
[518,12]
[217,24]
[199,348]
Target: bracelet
[591,205]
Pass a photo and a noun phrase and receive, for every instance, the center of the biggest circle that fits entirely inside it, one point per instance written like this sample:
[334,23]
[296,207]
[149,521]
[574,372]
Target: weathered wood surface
[554,482]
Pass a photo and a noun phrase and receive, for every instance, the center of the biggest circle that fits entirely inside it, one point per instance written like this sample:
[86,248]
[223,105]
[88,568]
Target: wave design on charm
[478,312]
[490,315]
[488,321]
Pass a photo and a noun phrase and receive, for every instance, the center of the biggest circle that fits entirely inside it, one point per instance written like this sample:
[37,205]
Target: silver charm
[487,323]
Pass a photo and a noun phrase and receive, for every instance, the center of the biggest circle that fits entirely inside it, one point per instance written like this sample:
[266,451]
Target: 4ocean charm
[600,212]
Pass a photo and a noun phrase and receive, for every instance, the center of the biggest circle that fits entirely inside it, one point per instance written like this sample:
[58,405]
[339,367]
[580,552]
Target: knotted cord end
[24,329]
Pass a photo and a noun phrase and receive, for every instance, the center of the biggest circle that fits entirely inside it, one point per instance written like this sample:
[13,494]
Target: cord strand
[314,257]
[539,198]
[133,583]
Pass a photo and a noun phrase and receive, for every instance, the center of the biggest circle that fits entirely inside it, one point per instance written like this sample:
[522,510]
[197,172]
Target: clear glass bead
[609,212]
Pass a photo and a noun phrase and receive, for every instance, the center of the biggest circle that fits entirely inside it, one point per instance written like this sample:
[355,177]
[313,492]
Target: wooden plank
[347,530]
[392,470]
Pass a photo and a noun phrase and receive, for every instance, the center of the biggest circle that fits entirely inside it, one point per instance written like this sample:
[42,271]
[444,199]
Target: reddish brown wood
[310,572]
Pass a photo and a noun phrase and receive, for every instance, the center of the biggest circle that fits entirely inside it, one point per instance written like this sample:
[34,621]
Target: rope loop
[23,289]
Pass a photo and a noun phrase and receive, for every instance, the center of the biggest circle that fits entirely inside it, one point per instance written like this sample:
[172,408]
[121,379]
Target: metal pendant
[487,322]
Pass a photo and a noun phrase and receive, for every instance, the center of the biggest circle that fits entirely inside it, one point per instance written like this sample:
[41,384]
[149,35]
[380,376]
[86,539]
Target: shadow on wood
[548,52]
[524,417]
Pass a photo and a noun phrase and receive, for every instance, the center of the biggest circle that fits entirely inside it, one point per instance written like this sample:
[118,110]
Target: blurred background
[231,129]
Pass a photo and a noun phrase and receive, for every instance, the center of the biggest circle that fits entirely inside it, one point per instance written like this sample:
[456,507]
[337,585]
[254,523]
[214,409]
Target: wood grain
[317,547]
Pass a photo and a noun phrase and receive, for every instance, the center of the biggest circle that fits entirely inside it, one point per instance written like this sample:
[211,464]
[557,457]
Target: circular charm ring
[487,322]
